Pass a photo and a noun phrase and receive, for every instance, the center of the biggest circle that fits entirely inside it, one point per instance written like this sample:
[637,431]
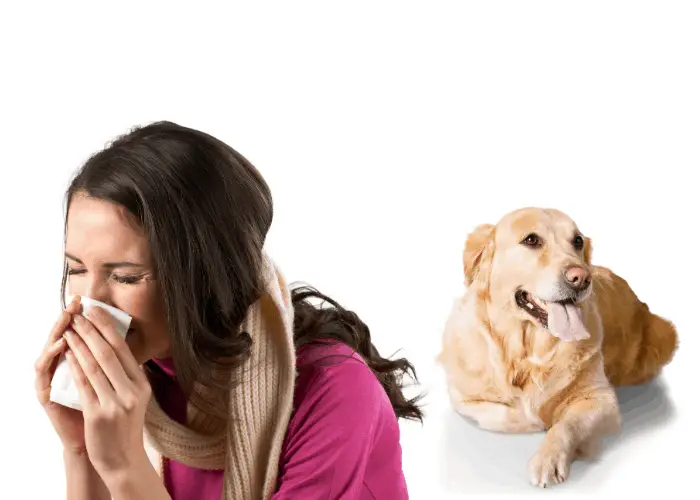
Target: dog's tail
[637,343]
[657,348]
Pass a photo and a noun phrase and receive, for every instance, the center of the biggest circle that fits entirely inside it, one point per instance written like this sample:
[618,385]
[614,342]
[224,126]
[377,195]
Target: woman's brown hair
[206,211]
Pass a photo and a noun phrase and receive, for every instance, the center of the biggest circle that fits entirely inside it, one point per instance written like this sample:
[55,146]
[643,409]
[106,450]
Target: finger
[75,305]
[104,322]
[45,366]
[63,321]
[90,368]
[104,354]
[87,394]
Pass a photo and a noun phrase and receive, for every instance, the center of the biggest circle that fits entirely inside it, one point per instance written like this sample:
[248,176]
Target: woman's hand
[67,422]
[114,393]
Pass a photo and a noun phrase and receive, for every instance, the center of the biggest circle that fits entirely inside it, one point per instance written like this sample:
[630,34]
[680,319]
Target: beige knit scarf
[247,446]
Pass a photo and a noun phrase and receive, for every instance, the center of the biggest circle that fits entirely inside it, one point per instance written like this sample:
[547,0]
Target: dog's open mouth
[563,318]
[537,308]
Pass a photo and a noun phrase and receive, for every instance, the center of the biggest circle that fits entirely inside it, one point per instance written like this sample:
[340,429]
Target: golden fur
[509,374]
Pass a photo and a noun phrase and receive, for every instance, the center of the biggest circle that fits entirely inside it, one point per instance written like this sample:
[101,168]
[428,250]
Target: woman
[228,384]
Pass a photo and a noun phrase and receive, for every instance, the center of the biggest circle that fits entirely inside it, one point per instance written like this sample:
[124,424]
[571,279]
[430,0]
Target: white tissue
[63,389]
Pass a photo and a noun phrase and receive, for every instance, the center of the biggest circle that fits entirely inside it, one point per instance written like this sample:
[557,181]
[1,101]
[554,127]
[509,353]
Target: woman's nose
[92,286]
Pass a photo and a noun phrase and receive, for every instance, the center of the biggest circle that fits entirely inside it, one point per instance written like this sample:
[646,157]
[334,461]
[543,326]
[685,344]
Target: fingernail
[78,319]
[59,343]
[68,335]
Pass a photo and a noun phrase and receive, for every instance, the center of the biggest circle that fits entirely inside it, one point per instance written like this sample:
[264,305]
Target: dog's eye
[532,240]
[578,242]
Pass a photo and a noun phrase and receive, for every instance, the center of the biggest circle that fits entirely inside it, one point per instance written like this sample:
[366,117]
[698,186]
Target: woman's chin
[135,345]
[143,352]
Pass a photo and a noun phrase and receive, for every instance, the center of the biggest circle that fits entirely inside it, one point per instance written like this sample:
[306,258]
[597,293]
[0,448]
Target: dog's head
[529,258]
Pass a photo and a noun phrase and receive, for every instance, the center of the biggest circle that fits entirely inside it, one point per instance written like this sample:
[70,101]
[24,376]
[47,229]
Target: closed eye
[124,280]
[127,280]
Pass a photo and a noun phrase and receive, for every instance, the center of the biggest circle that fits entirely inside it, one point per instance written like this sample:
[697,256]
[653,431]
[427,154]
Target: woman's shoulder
[343,437]
[335,372]
[326,354]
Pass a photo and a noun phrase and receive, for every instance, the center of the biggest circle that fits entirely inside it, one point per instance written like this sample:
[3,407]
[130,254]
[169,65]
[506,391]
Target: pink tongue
[566,322]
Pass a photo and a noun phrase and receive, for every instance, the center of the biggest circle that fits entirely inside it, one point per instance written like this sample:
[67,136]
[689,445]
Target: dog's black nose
[577,277]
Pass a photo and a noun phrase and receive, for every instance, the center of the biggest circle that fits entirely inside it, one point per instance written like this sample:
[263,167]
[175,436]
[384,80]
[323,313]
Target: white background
[387,131]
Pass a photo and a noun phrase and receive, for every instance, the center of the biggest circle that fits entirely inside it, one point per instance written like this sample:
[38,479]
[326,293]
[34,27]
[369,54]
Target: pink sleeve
[332,433]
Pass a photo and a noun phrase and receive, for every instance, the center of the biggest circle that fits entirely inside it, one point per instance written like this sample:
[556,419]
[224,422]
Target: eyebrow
[109,265]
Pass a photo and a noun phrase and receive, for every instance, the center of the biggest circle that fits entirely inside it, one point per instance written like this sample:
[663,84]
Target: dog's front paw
[549,466]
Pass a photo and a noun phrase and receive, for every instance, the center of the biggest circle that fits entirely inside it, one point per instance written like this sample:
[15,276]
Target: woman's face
[109,260]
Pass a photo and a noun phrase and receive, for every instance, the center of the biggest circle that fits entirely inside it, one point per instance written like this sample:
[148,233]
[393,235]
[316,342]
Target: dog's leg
[588,450]
[579,424]
[497,417]
[494,416]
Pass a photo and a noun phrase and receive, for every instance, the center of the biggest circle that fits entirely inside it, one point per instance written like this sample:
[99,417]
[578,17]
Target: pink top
[342,441]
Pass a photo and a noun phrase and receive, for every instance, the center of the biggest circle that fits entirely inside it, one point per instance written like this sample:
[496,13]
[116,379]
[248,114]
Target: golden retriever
[540,337]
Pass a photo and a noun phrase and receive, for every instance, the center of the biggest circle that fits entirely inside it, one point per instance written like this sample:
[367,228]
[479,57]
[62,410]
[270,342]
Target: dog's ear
[477,251]
[587,250]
